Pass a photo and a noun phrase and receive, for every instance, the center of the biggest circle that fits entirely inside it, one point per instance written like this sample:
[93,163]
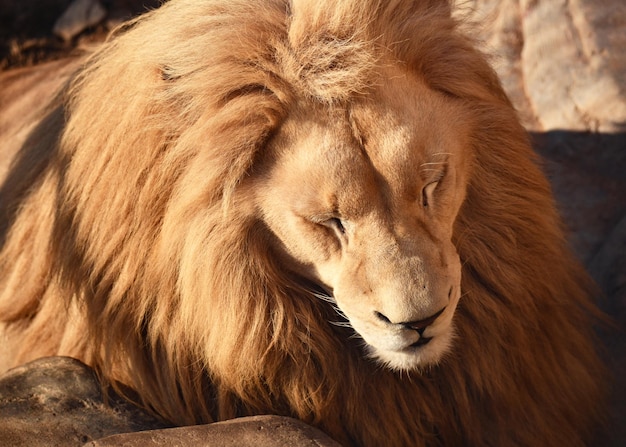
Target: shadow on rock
[588,175]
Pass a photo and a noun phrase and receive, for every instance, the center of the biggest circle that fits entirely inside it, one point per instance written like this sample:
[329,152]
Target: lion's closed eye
[335,225]
[428,192]
[331,223]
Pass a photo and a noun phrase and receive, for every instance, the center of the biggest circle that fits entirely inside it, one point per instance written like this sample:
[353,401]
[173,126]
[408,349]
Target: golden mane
[126,246]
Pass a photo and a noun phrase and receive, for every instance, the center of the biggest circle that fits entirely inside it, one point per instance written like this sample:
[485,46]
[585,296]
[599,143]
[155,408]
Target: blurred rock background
[33,31]
[563,64]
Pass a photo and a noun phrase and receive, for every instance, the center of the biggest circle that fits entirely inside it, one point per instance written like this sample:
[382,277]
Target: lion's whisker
[323,297]
[340,313]
[341,324]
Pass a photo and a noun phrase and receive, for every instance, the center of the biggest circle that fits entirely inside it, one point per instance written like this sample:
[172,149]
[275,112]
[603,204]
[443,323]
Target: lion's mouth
[423,341]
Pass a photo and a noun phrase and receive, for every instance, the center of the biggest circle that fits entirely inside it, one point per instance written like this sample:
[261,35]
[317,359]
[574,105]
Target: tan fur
[172,221]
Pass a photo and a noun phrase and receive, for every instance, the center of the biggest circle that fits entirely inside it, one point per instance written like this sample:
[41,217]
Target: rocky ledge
[57,401]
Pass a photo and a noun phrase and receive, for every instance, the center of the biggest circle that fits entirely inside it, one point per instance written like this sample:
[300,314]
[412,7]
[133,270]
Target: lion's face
[363,200]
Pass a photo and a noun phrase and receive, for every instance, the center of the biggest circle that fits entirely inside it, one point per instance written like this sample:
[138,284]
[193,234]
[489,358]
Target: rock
[80,15]
[498,26]
[255,431]
[569,79]
[609,266]
[57,401]
[586,170]
[562,63]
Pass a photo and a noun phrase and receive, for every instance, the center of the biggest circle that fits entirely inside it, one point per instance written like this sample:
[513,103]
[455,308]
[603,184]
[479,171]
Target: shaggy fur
[129,240]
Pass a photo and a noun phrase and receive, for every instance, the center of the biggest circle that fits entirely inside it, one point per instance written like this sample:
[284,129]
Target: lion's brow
[424,166]
[433,166]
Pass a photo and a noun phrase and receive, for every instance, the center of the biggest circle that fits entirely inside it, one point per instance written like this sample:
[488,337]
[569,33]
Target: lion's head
[321,209]
[362,199]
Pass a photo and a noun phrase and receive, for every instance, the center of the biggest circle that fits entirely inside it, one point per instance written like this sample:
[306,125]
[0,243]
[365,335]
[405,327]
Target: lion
[323,210]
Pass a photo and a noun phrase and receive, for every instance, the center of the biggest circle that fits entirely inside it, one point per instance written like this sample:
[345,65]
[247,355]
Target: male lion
[326,210]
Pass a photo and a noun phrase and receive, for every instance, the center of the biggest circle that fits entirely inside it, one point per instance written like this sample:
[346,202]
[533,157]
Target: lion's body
[148,228]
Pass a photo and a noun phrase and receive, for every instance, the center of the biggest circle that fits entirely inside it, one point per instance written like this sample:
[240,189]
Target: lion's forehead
[386,151]
[375,152]
[407,124]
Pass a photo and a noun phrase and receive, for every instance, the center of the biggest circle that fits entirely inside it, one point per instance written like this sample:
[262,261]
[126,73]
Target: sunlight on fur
[324,210]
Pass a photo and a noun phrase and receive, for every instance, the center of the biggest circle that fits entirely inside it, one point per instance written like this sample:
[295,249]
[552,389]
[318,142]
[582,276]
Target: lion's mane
[124,245]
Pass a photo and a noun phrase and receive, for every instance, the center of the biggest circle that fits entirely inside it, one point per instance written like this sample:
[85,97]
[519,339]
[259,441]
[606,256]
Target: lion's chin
[413,357]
